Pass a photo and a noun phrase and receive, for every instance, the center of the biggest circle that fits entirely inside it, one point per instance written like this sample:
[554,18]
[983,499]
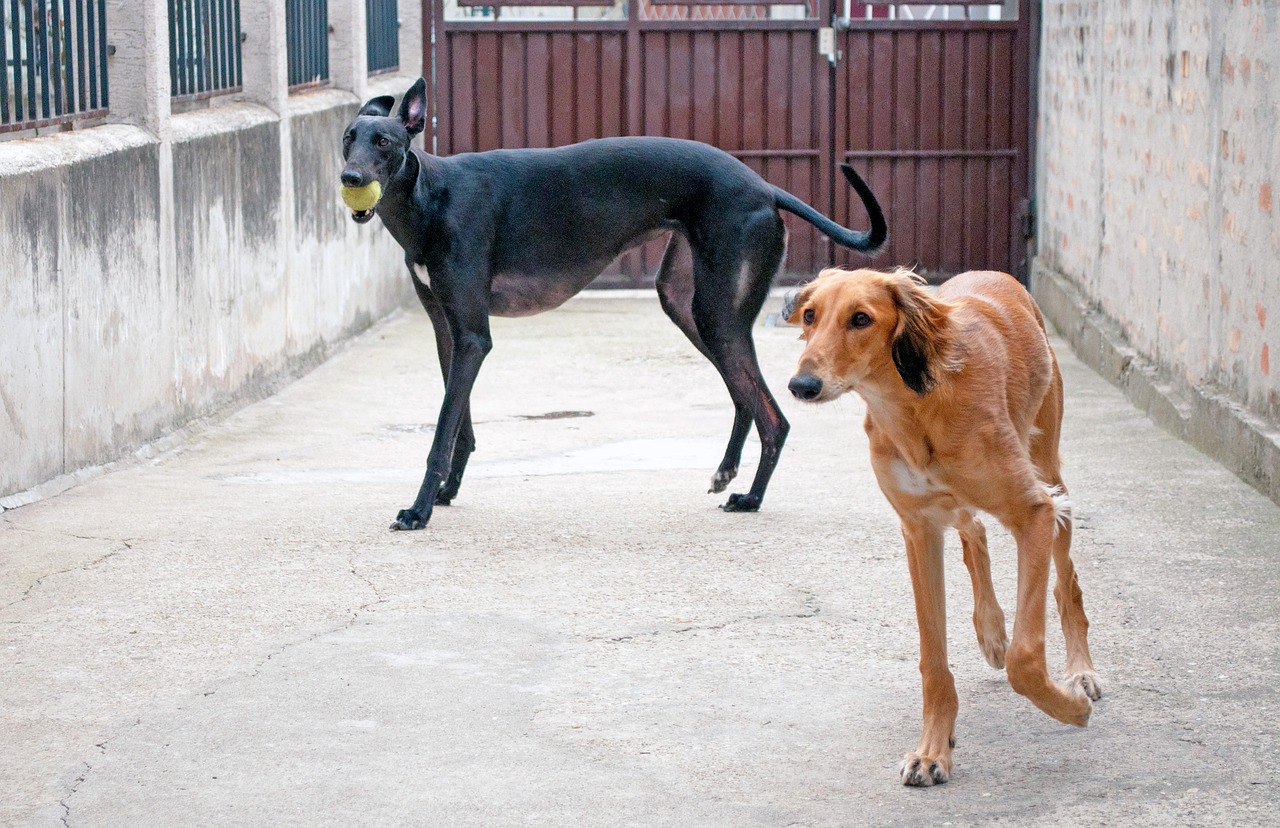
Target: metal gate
[929,102]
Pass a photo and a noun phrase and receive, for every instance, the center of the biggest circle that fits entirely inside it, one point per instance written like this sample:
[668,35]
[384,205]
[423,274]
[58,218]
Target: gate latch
[827,44]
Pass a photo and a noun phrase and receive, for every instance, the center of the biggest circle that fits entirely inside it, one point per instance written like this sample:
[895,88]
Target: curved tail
[864,241]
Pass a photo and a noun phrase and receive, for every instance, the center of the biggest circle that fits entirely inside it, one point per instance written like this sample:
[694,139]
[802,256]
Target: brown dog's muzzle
[805,386]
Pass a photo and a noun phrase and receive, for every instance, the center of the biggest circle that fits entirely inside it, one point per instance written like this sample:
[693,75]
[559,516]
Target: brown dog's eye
[808,316]
[384,141]
[859,320]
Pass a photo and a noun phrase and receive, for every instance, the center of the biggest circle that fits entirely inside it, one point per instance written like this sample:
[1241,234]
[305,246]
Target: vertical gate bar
[31,62]
[40,12]
[82,88]
[633,67]
[825,112]
[68,57]
[55,60]
[103,80]
[1022,181]
[175,87]
[19,111]
[435,57]
[218,44]
[177,9]
[4,67]
[199,42]
[238,74]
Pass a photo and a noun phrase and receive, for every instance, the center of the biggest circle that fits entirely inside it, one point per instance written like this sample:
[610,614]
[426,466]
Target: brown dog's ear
[922,342]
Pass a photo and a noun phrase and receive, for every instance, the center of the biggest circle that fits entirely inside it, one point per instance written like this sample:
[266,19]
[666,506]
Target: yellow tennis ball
[362,198]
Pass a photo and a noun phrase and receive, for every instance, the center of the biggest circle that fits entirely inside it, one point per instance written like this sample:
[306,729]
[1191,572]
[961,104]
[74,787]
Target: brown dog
[964,408]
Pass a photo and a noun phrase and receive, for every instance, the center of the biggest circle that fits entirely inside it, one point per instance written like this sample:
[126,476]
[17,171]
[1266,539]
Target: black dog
[515,232]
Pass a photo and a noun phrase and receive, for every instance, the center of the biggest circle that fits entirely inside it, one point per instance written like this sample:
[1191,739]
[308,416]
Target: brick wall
[1158,167]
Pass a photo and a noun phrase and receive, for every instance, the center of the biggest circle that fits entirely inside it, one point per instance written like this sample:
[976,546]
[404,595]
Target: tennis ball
[363,198]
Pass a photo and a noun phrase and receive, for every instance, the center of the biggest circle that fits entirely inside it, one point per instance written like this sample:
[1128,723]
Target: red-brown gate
[929,102]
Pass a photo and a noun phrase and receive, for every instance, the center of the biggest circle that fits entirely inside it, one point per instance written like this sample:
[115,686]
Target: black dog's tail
[864,241]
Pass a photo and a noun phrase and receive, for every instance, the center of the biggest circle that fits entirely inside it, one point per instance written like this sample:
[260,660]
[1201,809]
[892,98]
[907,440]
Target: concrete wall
[1158,158]
[160,267]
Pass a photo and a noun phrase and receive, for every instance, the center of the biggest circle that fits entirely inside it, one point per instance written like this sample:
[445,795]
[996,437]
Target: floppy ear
[413,108]
[922,342]
[380,106]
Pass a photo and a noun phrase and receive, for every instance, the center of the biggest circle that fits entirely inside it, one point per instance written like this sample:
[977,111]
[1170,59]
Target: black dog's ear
[413,108]
[922,342]
[380,106]
[794,301]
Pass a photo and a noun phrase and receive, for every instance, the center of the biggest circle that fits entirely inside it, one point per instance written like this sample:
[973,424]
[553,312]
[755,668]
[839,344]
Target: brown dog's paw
[1087,683]
[993,649]
[923,771]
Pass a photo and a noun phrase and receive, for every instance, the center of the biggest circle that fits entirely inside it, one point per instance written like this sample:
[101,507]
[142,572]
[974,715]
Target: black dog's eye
[808,316]
[859,320]
[384,141]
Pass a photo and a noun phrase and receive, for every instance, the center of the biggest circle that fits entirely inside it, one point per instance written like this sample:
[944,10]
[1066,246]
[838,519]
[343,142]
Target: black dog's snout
[805,386]
[352,178]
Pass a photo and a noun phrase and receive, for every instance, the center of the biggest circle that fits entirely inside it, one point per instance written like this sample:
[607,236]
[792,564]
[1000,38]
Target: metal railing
[53,62]
[382,35]
[307,27]
[204,48]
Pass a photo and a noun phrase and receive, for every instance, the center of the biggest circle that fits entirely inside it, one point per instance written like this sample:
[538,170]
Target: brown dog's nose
[805,386]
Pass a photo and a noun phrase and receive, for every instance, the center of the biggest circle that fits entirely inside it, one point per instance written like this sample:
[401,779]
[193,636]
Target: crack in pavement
[811,609]
[26,593]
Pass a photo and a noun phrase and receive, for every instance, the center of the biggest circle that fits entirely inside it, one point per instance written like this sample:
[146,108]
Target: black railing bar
[31,64]
[17,60]
[4,62]
[55,60]
[236,77]
[82,88]
[102,53]
[93,54]
[221,43]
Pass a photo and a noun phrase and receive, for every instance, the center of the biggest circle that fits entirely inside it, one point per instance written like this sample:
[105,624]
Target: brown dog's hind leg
[930,763]
[988,618]
[1025,659]
[1066,588]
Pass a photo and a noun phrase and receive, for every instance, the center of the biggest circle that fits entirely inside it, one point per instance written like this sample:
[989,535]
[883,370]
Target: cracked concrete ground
[228,634]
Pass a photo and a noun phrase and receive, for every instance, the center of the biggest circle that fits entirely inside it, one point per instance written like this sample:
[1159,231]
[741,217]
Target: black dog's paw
[742,503]
[409,519]
[444,498]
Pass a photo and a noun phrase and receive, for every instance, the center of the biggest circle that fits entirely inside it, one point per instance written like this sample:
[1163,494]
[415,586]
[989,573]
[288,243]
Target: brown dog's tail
[864,241]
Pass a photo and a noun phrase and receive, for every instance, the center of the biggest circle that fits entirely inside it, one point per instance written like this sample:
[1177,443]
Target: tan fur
[979,433]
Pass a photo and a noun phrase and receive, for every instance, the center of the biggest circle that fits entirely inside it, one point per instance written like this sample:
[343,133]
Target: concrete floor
[228,634]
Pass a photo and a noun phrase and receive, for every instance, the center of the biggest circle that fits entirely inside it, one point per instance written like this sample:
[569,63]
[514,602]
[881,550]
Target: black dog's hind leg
[466,442]
[675,294]
[467,313]
[731,276]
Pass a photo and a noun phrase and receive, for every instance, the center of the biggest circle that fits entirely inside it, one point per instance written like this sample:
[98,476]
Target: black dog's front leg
[471,343]
[466,442]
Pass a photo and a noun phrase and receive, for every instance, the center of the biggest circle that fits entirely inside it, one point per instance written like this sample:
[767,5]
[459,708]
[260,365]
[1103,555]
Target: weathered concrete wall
[144,283]
[1158,157]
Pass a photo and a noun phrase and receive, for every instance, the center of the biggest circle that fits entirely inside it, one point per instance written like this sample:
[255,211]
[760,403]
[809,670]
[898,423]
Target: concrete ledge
[1217,425]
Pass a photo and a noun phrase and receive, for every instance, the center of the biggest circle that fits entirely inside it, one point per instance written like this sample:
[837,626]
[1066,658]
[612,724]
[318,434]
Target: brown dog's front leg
[930,763]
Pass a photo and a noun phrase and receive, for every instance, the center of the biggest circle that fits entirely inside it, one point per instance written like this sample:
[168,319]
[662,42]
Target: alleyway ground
[228,634]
